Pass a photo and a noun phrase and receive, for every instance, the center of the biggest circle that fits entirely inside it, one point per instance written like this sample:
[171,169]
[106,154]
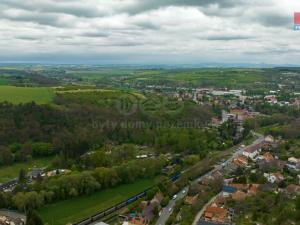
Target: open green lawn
[9,172]
[40,95]
[73,210]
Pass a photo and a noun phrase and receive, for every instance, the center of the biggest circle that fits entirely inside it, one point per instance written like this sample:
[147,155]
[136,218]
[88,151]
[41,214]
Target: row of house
[253,151]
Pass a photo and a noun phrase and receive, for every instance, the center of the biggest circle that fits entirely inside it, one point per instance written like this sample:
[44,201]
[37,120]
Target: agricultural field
[76,209]
[10,172]
[17,95]
[225,77]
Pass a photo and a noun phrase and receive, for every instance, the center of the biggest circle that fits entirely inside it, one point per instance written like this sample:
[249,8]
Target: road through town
[167,211]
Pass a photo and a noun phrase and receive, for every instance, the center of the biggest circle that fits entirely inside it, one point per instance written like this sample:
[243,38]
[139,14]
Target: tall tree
[33,218]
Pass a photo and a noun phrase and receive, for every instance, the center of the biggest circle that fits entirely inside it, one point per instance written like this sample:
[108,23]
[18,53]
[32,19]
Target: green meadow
[76,209]
[16,95]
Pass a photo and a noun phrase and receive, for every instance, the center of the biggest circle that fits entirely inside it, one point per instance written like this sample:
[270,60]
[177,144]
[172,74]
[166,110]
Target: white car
[170,209]
[174,197]
[183,192]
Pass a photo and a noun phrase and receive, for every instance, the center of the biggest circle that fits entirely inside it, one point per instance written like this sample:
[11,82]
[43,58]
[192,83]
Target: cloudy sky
[149,31]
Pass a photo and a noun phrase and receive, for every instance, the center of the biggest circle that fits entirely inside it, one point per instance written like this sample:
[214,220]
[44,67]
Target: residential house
[269,143]
[240,161]
[215,214]
[293,164]
[271,99]
[268,157]
[240,114]
[274,177]
[269,139]
[252,151]
[35,173]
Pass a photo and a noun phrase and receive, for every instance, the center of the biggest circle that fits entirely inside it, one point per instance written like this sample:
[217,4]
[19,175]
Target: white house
[252,151]
[269,139]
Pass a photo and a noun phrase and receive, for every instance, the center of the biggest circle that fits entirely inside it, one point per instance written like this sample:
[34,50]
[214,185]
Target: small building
[293,164]
[240,114]
[35,173]
[215,214]
[271,99]
[252,151]
[268,157]
[269,139]
[274,177]
[240,161]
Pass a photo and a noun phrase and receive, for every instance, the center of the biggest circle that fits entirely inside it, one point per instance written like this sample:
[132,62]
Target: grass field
[73,210]
[17,95]
[9,172]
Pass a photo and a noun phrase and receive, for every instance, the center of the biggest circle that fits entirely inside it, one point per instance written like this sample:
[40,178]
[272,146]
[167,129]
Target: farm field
[9,172]
[76,209]
[16,95]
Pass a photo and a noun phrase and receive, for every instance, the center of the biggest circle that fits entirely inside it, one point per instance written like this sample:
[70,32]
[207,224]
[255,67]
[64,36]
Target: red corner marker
[297,18]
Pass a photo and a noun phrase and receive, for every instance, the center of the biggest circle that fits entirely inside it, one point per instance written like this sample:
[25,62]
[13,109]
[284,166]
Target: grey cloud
[28,38]
[42,19]
[97,34]
[227,37]
[145,5]
[65,7]
[147,25]
[275,20]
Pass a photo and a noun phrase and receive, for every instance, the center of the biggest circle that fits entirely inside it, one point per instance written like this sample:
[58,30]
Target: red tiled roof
[238,111]
[215,210]
[268,157]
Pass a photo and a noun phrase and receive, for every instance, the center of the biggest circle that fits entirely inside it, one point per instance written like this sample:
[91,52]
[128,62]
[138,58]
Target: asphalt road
[167,211]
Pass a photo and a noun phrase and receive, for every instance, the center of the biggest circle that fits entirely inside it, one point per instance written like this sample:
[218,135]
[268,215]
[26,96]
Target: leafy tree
[33,218]
[165,201]
[22,176]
